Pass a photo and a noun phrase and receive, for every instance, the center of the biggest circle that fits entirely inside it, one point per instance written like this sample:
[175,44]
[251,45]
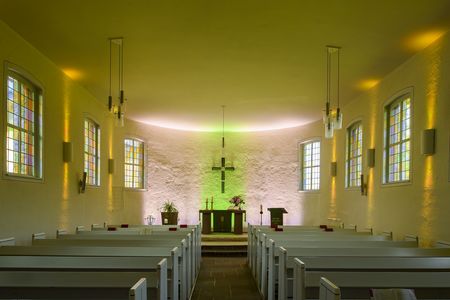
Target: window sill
[134,190]
[309,191]
[9,176]
[396,184]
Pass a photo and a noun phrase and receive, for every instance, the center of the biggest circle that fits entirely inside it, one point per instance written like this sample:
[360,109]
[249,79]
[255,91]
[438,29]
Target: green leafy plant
[169,207]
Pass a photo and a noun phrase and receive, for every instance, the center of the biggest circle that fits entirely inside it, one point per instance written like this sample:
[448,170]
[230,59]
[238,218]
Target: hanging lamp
[332,119]
[118,110]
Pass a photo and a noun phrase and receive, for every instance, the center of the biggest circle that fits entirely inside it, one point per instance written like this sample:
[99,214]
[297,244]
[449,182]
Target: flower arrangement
[237,201]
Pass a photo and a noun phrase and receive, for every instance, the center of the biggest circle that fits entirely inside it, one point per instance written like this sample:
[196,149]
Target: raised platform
[224,244]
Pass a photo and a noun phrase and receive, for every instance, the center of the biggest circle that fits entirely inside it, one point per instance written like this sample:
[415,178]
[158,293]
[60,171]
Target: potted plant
[169,214]
[237,202]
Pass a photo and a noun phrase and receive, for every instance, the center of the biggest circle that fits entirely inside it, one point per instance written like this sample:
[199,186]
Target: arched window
[23,127]
[310,165]
[92,152]
[134,163]
[397,140]
[353,159]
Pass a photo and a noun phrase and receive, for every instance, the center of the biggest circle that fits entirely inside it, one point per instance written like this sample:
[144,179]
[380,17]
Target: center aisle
[225,278]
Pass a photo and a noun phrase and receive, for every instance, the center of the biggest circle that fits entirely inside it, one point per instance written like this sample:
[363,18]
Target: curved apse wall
[179,170]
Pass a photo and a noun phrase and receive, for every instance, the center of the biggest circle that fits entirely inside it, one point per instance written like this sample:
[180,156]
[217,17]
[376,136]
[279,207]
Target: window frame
[98,151]
[348,154]
[302,167]
[26,78]
[144,164]
[397,98]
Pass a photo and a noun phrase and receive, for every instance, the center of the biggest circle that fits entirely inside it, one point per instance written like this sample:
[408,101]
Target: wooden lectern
[276,216]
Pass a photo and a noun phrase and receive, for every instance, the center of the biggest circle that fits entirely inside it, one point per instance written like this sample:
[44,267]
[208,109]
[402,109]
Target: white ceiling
[264,60]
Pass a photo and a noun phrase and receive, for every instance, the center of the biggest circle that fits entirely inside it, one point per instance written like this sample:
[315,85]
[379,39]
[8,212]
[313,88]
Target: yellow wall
[27,207]
[178,160]
[422,206]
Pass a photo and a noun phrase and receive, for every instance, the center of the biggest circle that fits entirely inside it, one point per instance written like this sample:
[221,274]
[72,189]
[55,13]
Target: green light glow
[235,180]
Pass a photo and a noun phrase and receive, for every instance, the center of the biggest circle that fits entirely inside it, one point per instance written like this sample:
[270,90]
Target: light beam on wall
[433,57]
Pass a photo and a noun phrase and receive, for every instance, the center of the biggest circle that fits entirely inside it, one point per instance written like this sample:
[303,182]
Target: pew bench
[270,254]
[429,276]
[65,277]
[177,273]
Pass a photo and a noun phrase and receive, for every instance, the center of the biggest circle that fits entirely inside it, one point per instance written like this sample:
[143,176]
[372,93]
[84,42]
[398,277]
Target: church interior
[117,112]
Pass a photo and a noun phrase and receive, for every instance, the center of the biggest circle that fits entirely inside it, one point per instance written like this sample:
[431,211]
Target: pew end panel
[299,280]
[328,290]
[139,290]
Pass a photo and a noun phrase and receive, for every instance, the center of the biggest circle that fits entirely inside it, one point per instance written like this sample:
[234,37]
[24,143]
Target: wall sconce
[333,169]
[111,166]
[371,157]
[67,152]
[429,141]
[82,184]
[364,185]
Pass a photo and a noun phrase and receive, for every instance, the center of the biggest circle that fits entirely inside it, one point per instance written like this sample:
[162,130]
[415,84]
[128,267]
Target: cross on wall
[222,169]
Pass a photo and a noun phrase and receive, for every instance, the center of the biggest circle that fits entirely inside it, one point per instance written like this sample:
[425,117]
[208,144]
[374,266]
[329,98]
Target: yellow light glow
[421,40]
[370,198]
[64,221]
[110,177]
[333,210]
[367,84]
[433,55]
[72,73]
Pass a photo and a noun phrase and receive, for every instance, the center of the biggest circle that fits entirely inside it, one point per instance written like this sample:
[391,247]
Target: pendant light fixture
[332,118]
[117,110]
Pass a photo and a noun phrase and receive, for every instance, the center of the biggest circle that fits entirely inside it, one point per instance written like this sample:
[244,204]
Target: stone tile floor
[225,278]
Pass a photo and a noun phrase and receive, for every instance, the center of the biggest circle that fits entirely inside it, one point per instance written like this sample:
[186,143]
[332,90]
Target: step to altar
[224,244]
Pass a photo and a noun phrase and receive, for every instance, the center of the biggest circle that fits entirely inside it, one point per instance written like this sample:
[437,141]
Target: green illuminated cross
[222,168]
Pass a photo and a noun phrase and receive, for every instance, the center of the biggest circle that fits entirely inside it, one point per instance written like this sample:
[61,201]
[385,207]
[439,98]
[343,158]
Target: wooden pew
[194,244]
[172,255]
[81,277]
[185,263]
[260,261]
[192,249]
[139,290]
[356,275]
[7,241]
[271,254]
[38,236]
[254,233]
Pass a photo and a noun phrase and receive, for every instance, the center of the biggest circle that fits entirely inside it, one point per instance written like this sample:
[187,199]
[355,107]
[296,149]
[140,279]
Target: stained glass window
[397,148]
[134,164]
[310,166]
[354,155]
[23,127]
[92,152]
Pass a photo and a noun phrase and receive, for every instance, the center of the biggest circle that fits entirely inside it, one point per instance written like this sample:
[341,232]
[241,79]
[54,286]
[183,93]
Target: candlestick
[206,203]
[212,203]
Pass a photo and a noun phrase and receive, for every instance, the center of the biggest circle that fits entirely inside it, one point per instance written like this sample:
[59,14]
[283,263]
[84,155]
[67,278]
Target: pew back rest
[328,290]
[411,237]
[11,241]
[60,232]
[79,228]
[38,236]
[139,290]
[442,244]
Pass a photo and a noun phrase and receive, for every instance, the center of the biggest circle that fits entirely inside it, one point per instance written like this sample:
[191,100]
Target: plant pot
[169,218]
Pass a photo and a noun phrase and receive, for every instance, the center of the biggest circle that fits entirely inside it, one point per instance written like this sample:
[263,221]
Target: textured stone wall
[179,170]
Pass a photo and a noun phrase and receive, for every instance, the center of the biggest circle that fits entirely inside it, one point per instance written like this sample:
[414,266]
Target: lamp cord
[110,66]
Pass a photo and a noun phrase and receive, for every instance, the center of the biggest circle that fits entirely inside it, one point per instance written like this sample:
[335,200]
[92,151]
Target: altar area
[222,221]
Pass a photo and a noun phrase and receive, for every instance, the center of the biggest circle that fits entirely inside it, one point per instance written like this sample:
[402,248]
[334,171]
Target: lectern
[276,216]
